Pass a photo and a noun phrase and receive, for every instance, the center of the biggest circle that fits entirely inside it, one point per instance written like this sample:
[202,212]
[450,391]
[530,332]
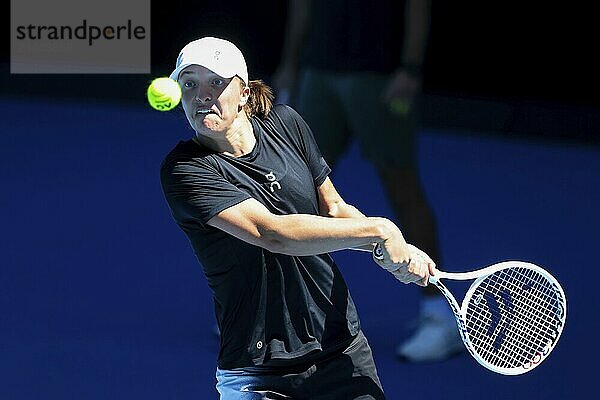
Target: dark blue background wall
[102,297]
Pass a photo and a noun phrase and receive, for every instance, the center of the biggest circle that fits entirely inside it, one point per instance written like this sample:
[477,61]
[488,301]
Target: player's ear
[245,96]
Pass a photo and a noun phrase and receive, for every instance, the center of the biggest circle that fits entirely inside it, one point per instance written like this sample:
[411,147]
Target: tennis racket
[511,317]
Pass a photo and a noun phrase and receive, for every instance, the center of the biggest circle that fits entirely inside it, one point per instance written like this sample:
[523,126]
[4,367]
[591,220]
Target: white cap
[218,55]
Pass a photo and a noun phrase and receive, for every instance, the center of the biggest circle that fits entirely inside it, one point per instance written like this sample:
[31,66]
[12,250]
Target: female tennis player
[252,193]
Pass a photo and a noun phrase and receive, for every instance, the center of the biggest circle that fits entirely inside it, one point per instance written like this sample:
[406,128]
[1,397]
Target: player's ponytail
[260,101]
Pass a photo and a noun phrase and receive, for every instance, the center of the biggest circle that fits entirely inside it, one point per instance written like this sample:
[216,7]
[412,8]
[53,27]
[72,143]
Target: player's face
[211,102]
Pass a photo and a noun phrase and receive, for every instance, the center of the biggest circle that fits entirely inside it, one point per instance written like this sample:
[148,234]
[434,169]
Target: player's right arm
[305,234]
[299,234]
[198,195]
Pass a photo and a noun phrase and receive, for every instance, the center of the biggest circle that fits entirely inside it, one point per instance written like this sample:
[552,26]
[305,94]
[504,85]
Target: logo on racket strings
[496,321]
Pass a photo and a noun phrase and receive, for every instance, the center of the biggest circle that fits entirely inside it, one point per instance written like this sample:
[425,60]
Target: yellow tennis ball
[164,94]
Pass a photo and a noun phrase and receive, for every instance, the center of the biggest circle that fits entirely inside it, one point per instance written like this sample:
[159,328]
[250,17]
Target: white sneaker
[435,339]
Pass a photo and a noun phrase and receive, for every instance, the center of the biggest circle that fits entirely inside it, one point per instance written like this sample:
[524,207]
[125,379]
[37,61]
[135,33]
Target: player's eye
[218,82]
[189,84]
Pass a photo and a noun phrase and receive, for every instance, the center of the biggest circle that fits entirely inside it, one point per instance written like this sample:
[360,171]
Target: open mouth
[204,111]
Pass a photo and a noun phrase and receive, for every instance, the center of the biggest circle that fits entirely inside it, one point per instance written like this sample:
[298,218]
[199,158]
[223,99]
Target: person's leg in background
[436,337]
[389,141]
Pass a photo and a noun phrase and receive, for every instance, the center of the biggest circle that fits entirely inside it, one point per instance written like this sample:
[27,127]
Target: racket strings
[525,320]
[520,327]
[506,356]
[516,327]
[521,331]
[512,315]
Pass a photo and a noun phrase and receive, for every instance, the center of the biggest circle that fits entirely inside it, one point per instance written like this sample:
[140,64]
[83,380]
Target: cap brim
[175,74]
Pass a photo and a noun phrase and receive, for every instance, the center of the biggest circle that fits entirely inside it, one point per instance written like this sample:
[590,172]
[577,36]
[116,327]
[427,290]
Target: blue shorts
[350,374]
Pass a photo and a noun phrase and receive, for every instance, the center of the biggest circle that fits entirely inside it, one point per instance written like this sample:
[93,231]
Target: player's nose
[202,98]
[203,94]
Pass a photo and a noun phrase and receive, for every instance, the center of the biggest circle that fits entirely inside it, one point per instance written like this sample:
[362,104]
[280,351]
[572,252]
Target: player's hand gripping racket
[511,317]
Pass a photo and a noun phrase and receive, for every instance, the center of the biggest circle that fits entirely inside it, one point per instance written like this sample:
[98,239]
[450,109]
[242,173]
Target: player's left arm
[331,204]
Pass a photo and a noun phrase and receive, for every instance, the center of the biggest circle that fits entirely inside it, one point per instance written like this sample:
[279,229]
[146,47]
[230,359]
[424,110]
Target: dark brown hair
[260,101]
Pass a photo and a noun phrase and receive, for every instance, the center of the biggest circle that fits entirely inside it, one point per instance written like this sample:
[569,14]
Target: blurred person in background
[353,70]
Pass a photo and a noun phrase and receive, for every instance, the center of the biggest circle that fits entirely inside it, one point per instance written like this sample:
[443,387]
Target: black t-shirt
[272,309]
